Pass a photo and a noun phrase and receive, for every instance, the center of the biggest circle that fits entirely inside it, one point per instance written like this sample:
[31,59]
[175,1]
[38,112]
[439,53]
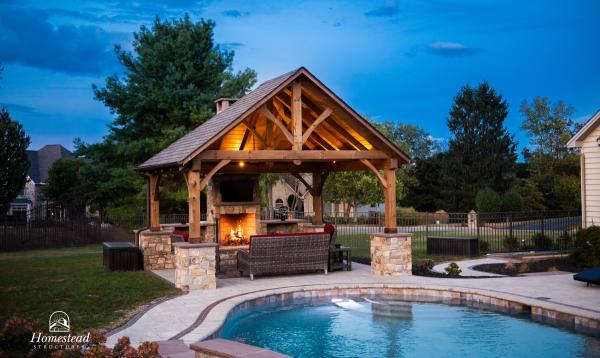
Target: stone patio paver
[173,316]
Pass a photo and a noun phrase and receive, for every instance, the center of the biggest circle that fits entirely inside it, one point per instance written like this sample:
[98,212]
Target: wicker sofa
[285,253]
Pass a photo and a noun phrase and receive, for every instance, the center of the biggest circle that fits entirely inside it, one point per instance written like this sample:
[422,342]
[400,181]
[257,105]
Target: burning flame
[236,235]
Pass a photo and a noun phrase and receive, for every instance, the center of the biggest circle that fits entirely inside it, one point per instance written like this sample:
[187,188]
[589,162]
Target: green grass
[33,284]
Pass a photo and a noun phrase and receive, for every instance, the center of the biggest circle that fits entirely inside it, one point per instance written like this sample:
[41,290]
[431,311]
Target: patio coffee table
[340,258]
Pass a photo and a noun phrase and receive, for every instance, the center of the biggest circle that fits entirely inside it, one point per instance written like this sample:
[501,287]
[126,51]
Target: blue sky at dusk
[391,60]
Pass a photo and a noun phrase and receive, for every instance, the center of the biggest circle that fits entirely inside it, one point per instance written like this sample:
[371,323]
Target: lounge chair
[589,276]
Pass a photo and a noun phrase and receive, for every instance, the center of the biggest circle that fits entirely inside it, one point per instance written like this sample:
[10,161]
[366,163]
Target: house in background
[587,140]
[40,162]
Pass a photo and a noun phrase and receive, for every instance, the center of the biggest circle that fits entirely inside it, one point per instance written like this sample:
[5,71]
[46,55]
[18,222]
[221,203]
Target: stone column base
[391,254]
[156,249]
[195,266]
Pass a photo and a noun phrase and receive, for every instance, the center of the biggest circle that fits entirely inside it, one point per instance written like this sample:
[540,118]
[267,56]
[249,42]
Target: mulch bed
[549,265]
[417,270]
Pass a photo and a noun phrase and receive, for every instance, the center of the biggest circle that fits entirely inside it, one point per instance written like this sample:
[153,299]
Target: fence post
[510,224]
[426,224]
[477,225]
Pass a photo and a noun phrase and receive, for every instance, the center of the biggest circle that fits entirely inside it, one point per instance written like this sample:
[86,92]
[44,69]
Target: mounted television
[237,190]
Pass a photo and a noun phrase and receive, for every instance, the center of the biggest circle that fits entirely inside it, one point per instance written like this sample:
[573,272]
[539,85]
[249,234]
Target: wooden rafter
[285,167]
[314,125]
[297,115]
[264,110]
[303,181]
[374,170]
[255,133]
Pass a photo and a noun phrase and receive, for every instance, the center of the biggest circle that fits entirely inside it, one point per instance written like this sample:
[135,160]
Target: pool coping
[581,320]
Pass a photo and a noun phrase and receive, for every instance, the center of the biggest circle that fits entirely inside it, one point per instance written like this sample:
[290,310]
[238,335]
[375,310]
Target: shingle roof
[179,150]
[41,160]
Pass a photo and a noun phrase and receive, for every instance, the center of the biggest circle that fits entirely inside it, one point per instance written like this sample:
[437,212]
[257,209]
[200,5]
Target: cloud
[232,45]
[28,38]
[449,49]
[388,10]
[235,13]
[337,24]
[13,107]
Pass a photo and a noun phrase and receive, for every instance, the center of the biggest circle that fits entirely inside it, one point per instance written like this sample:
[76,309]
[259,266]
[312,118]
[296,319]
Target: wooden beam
[314,125]
[264,110]
[252,130]
[286,167]
[192,178]
[297,115]
[154,201]
[288,155]
[390,225]
[212,172]
[374,170]
[303,181]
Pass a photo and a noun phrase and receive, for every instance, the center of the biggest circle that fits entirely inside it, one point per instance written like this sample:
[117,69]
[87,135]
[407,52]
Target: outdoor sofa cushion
[589,276]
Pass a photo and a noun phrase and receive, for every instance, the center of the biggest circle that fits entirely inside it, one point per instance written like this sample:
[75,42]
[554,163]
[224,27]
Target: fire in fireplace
[236,236]
[236,229]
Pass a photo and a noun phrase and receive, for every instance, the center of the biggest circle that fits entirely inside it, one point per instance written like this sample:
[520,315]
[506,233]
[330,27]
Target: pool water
[387,328]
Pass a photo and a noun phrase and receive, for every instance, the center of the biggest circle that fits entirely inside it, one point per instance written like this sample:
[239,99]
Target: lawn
[33,284]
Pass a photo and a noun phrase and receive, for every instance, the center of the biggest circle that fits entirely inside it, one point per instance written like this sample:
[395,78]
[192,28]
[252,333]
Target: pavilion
[290,124]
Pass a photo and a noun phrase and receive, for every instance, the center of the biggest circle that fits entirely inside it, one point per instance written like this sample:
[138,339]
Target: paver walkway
[170,318]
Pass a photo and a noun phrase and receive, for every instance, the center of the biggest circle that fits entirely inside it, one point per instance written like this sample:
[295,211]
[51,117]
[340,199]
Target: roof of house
[182,149]
[41,160]
[588,127]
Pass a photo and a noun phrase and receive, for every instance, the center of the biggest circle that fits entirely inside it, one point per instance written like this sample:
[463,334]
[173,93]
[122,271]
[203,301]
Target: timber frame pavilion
[289,124]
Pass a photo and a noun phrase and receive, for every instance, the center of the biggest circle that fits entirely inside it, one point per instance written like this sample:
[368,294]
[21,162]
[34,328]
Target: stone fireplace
[233,202]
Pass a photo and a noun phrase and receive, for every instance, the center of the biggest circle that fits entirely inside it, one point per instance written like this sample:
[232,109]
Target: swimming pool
[383,327]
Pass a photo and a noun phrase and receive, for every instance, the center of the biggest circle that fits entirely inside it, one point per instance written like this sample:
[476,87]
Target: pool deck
[197,314]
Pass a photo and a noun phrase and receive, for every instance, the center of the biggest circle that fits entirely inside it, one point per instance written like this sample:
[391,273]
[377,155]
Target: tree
[14,163]
[533,199]
[352,188]
[487,201]
[414,141]
[483,147]
[552,167]
[168,87]
[66,184]
[511,201]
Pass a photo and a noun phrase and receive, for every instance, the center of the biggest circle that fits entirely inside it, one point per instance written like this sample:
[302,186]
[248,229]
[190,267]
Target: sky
[402,61]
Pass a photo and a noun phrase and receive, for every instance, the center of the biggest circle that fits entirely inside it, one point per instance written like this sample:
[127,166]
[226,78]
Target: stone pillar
[156,248]
[391,254]
[472,219]
[195,266]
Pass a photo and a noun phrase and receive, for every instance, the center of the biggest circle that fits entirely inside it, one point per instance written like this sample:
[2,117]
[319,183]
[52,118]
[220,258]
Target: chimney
[224,103]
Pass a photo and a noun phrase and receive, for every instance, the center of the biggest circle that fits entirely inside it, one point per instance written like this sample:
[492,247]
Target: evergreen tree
[14,163]
[484,150]
[168,87]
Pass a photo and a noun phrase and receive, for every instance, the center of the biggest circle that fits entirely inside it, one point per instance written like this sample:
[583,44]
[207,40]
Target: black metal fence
[497,232]
[55,226]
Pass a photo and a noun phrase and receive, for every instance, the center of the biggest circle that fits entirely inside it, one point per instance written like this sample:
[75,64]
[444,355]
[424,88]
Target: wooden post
[390,200]
[317,186]
[297,119]
[193,185]
[153,202]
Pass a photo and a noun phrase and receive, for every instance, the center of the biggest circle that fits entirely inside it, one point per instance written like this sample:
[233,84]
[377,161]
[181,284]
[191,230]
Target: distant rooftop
[41,160]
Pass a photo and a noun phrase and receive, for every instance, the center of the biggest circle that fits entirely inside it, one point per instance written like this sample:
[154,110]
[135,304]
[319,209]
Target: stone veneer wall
[195,266]
[391,254]
[156,248]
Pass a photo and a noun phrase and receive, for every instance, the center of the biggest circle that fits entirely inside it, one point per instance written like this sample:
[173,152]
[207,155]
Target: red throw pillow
[186,237]
[328,228]
[177,232]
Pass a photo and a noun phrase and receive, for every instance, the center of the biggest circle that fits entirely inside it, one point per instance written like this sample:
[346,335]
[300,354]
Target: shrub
[16,335]
[524,267]
[453,270]
[487,201]
[426,265]
[511,201]
[484,247]
[511,243]
[565,241]
[541,241]
[587,248]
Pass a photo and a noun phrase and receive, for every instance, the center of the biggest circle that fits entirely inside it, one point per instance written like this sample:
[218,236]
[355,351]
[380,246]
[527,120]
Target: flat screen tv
[237,190]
